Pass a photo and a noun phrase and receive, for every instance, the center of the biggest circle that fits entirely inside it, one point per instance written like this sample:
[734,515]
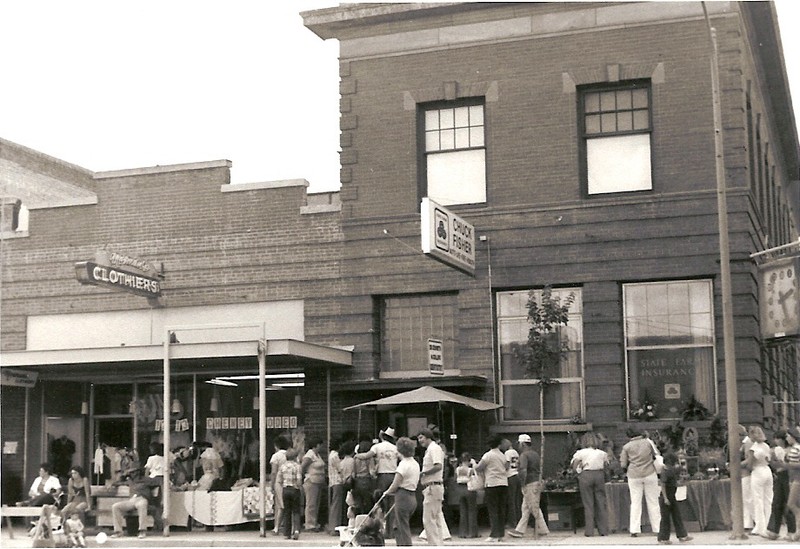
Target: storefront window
[520,391]
[669,343]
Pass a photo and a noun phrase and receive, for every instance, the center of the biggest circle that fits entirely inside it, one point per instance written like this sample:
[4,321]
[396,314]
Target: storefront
[219,391]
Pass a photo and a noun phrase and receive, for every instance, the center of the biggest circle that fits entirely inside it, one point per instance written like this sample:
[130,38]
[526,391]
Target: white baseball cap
[524,438]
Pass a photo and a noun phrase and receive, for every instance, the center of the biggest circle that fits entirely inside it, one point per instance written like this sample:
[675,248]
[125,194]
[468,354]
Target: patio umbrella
[426,395]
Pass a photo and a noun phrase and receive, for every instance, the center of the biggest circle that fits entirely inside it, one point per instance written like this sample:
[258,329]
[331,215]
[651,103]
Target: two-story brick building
[578,140]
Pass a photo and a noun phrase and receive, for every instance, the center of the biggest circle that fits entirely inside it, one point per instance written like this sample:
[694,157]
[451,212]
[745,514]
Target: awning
[425,395]
[210,358]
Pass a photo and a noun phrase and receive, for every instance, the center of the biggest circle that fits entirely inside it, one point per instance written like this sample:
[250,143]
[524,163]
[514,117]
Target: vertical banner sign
[447,237]
[436,356]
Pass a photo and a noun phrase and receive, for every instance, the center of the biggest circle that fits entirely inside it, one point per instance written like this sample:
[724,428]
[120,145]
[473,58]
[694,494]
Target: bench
[8,512]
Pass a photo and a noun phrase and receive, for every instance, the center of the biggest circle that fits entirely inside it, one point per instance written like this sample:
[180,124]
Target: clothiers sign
[119,272]
[447,236]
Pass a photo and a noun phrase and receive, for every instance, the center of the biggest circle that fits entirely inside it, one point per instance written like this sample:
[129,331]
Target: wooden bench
[8,511]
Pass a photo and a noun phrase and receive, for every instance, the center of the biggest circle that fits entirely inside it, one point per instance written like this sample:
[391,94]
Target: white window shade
[457,177]
[618,164]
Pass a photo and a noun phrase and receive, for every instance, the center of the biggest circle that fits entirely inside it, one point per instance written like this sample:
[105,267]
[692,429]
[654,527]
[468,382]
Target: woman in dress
[758,458]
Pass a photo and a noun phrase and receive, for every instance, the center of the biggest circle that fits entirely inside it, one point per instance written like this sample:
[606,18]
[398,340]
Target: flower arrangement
[646,411]
[694,410]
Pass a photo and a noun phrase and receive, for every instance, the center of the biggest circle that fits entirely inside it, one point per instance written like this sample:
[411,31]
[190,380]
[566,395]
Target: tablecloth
[709,502]
[222,508]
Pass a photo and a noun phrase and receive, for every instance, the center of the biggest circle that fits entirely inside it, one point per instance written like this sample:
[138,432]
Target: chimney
[10,214]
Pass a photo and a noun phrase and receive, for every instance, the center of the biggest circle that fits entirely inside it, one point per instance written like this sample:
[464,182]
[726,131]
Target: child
[75,531]
[670,514]
[290,477]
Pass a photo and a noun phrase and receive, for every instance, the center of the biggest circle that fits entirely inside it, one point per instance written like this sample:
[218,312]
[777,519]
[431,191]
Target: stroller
[366,530]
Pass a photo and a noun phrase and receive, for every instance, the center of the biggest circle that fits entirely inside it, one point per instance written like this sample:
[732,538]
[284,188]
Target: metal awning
[187,358]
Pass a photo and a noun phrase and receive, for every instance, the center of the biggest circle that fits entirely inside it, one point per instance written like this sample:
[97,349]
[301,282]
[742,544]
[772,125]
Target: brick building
[578,139]
[236,264]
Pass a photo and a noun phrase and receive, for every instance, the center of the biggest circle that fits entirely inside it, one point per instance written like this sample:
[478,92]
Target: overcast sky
[113,85]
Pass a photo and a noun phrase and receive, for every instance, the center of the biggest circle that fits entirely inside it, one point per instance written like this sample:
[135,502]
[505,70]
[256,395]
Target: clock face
[780,299]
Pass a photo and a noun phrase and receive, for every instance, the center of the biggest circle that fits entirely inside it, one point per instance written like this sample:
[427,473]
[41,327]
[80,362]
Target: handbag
[658,463]
[476,481]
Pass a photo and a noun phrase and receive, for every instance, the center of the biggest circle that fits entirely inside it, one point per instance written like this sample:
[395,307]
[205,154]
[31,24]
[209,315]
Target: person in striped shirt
[792,463]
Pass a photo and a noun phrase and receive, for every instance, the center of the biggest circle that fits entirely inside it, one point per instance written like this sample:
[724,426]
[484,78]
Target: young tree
[544,349]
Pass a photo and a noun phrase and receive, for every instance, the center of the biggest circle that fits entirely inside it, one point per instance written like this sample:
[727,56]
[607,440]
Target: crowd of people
[383,477]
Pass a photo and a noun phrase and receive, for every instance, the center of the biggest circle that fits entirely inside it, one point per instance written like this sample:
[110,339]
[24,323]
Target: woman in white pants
[760,480]
[638,457]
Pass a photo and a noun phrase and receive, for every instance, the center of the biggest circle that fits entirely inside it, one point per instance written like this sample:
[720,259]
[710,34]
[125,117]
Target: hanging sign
[119,272]
[447,237]
[18,378]
[436,356]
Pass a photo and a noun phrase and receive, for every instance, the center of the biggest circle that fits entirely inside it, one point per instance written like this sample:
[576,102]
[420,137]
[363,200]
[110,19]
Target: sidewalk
[250,538]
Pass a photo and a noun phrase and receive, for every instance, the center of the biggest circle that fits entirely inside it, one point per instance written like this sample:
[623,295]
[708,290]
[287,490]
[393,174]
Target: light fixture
[84,408]
[176,406]
[256,403]
[298,401]
[219,381]
[214,406]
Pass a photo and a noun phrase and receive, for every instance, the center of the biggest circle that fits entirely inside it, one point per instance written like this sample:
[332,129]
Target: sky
[111,85]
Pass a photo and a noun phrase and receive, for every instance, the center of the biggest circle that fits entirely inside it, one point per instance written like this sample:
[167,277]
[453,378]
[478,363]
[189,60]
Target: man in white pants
[638,457]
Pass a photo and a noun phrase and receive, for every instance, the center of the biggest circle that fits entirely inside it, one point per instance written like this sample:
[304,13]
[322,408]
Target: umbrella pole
[358,429]
[453,434]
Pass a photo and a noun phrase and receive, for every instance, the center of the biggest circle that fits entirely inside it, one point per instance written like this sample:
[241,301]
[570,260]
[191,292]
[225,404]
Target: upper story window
[454,146]
[407,323]
[616,127]
[520,391]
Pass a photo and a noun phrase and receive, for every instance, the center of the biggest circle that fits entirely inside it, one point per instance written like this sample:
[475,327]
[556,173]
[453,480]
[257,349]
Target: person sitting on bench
[140,500]
[45,490]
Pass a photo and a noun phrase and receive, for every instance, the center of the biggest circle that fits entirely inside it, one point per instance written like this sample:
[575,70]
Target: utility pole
[732,398]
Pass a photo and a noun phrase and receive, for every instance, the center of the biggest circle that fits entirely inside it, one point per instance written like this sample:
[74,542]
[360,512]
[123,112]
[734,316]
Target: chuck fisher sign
[119,272]
[447,237]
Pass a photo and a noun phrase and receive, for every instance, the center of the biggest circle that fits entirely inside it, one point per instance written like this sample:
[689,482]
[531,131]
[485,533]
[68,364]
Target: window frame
[585,137]
[448,340]
[423,153]
[714,405]
[580,380]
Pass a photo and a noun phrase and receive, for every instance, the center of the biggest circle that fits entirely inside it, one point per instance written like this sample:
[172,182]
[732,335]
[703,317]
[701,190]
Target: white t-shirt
[409,469]
[433,455]
[386,456]
[589,459]
[512,456]
[155,464]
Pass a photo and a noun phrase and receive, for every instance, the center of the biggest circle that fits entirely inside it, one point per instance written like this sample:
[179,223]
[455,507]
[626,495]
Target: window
[669,344]
[520,393]
[407,322]
[455,153]
[616,131]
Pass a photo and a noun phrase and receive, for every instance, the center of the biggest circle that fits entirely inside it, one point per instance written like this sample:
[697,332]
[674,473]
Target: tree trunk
[541,430]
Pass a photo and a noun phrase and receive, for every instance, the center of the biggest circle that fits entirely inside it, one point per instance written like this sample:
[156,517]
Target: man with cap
[386,458]
[432,481]
[531,490]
